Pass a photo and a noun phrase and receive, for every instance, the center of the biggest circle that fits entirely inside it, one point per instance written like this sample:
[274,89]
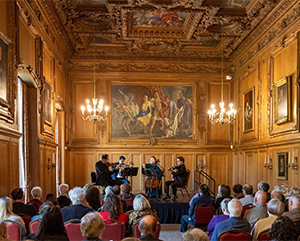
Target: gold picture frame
[282,100]
[248,110]
[282,165]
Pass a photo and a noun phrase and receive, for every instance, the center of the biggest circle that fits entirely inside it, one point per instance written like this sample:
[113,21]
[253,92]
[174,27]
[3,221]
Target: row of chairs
[240,235]
[113,230]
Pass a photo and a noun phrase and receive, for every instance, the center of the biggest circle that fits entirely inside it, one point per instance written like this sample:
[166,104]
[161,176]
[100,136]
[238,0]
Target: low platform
[169,211]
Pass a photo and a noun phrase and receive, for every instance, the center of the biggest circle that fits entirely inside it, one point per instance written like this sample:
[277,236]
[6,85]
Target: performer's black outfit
[179,180]
[103,177]
[119,175]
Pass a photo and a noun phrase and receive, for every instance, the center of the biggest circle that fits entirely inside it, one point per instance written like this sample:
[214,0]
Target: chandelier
[221,116]
[95,112]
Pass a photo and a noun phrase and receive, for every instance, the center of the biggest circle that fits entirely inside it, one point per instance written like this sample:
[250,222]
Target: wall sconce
[295,164]
[201,163]
[268,162]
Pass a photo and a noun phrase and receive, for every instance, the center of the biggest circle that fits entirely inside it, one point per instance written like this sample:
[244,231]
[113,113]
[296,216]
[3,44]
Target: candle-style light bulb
[82,108]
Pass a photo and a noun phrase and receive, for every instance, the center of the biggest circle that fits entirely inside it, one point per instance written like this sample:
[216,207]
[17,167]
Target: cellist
[151,184]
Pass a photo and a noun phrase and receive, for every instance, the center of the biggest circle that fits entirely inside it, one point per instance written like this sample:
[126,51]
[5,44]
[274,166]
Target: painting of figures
[3,69]
[143,112]
[159,19]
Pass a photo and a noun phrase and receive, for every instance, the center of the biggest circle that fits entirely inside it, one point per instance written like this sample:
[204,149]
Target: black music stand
[131,172]
[149,172]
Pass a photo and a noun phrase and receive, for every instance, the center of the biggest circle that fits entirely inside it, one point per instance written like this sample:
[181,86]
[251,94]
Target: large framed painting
[282,165]
[3,69]
[47,104]
[282,101]
[152,111]
[248,110]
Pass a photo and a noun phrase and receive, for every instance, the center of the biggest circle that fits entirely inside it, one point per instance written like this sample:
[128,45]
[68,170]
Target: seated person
[225,193]
[63,199]
[3,231]
[235,221]
[283,229]
[179,174]
[77,210]
[195,234]
[294,208]
[116,190]
[147,227]
[237,191]
[104,173]
[18,205]
[152,171]
[248,198]
[36,193]
[92,226]
[203,199]
[126,191]
[119,170]
[141,208]
[43,209]
[92,196]
[112,209]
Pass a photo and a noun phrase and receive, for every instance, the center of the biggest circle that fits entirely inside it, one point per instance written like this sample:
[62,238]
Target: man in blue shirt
[203,199]
[235,208]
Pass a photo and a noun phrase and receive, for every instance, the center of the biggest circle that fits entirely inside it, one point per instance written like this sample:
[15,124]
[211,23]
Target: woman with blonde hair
[6,213]
[141,208]
[92,226]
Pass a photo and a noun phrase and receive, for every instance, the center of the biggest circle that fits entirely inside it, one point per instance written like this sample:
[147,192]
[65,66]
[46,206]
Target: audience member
[92,196]
[130,239]
[219,218]
[260,211]
[235,221]
[225,193]
[248,195]
[237,191]
[36,193]
[77,210]
[92,226]
[18,206]
[147,227]
[43,209]
[141,208]
[86,187]
[283,190]
[51,227]
[112,209]
[195,235]
[117,190]
[3,231]
[126,191]
[275,208]
[283,229]
[203,199]
[6,213]
[50,197]
[276,195]
[63,198]
[265,187]
[294,208]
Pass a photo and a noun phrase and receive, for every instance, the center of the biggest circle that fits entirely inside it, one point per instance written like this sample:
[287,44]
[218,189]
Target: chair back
[27,220]
[264,235]
[203,215]
[73,230]
[188,174]
[234,234]
[113,230]
[246,207]
[137,232]
[34,225]
[14,230]
[93,177]
[129,201]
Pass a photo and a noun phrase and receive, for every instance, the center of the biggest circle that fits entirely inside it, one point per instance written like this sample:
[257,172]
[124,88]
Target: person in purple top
[203,199]
[219,218]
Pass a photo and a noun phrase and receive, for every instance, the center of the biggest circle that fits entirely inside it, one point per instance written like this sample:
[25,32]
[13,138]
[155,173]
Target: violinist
[119,170]
[179,175]
[153,180]
[104,172]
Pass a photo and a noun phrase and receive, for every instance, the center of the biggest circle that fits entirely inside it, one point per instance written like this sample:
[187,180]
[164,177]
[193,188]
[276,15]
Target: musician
[119,170]
[157,171]
[104,172]
[179,174]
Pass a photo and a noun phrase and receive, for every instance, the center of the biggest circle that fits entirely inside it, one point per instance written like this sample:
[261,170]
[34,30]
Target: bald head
[276,195]
[260,197]
[294,202]
[147,225]
[235,208]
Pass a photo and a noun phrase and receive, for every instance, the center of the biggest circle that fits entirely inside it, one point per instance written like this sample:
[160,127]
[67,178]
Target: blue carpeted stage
[169,211]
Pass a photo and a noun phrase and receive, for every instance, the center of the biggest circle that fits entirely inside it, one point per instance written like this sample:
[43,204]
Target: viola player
[119,170]
[179,175]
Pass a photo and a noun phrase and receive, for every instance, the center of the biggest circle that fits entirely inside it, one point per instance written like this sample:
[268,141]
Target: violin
[108,164]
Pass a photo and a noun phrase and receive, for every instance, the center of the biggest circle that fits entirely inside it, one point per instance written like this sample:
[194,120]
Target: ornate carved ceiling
[184,30]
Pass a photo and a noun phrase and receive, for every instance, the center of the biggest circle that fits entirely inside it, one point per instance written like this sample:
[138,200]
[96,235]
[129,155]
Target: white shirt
[248,199]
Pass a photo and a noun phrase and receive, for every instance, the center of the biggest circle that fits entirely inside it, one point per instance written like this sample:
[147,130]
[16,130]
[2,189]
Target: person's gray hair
[195,235]
[3,229]
[235,211]
[260,184]
[295,198]
[275,207]
[224,204]
[86,186]
[293,190]
[147,225]
[108,189]
[130,239]
[77,195]
[91,225]
[63,188]
[140,203]
[36,192]
[5,208]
